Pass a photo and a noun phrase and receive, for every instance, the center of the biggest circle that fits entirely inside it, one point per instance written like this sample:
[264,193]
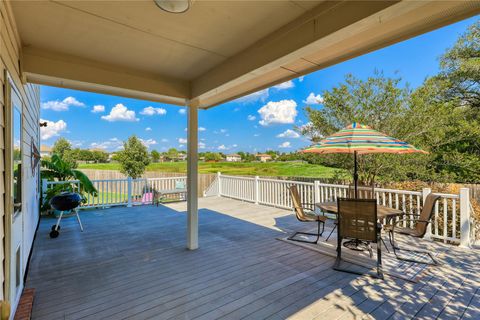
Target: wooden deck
[131,263]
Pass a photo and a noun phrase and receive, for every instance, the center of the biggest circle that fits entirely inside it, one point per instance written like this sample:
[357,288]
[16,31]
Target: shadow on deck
[131,263]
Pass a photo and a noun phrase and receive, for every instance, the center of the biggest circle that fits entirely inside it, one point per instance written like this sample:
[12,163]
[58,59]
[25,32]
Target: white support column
[464,217]
[428,234]
[192,179]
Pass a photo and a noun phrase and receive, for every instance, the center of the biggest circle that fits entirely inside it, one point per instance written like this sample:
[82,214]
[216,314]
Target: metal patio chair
[357,221]
[305,212]
[363,192]
[420,222]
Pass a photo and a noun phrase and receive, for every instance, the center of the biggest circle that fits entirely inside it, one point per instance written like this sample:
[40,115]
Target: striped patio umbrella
[361,139]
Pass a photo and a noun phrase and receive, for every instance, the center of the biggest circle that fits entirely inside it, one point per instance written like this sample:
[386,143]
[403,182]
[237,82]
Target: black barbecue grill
[65,201]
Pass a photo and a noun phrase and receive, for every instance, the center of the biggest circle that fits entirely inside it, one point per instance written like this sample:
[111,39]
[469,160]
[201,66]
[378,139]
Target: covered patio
[131,263]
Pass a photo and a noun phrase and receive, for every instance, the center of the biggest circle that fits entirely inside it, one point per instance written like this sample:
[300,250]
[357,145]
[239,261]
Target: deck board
[131,263]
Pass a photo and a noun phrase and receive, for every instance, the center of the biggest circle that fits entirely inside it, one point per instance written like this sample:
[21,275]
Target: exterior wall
[30,98]
[233,159]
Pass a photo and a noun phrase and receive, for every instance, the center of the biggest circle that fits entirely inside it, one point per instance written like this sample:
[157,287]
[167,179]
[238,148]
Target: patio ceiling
[215,52]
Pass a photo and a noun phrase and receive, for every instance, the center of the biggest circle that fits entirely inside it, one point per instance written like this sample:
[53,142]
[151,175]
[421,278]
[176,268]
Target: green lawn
[286,169]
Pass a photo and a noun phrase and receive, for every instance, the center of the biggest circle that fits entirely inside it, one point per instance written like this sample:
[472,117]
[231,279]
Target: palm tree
[59,170]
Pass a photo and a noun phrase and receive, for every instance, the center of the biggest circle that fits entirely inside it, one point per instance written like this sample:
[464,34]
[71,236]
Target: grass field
[285,169]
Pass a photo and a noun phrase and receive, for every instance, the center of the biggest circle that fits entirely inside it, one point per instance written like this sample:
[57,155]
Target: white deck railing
[117,192]
[452,219]
[451,223]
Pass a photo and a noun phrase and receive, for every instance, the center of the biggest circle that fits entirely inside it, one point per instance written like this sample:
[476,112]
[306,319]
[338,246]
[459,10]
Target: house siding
[30,97]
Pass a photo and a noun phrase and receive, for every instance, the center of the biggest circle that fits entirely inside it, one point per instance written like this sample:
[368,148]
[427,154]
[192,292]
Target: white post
[316,194]
[464,217]
[428,234]
[129,191]
[257,189]
[219,184]
[192,179]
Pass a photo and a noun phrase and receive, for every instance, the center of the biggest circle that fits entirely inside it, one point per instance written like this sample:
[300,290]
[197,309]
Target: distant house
[45,151]
[233,157]
[182,157]
[263,157]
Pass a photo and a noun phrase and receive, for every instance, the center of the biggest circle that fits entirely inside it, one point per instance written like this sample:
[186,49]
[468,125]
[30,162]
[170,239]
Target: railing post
[219,183]
[129,191]
[316,191]
[257,189]
[425,193]
[464,217]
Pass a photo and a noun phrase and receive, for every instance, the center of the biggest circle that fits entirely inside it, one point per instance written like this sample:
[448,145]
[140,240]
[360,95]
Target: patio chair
[305,213]
[421,222]
[363,192]
[357,221]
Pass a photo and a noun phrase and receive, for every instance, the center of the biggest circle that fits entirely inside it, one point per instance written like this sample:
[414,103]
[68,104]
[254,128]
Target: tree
[155,155]
[99,156]
[61,146]
[58,169]
[213,156]
[246,156]
[460,66]
[172,154]
[134,158]
[272,153]
[377,101]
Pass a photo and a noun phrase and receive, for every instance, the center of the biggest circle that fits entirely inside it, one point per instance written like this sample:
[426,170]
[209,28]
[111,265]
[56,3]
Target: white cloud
[283,111]
[285,85]
[222,147]
[148,129]
[76,143]
[251,117]
[150,111]
[201,145]
[313,99]
[149,142]
[111,144]
[234,145]
[286,144]
[182,111]
[98,108]
[256,135]
[120,113]
[223,130]
[261,95]
[288,134]
[53,129]
[300,79]
[164,140]
[57,105]
[182,140]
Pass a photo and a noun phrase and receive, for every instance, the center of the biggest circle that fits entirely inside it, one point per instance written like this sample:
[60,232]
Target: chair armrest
[396,223]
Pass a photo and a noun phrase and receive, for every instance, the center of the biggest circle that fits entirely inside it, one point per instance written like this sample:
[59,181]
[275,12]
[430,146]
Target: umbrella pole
[355,174]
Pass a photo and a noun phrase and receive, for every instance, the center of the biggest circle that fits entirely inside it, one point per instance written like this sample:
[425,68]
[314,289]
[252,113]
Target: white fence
[451,223]
[117,192]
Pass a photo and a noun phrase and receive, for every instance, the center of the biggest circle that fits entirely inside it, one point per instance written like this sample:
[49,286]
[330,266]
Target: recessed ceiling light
[174,6]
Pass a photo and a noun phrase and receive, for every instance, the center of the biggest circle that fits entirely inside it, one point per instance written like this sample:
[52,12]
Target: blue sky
[256,123]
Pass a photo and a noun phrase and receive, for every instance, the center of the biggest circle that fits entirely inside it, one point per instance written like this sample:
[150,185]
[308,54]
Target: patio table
[382,211]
